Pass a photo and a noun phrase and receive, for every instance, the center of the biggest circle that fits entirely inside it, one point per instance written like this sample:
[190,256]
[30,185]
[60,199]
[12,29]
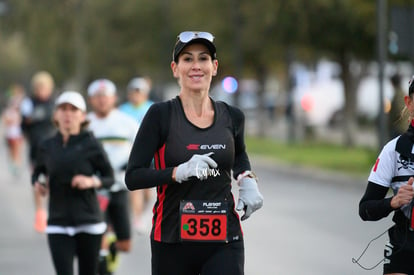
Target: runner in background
[11,119]
[37,110]
[138,91]
[70,166]
[116,131]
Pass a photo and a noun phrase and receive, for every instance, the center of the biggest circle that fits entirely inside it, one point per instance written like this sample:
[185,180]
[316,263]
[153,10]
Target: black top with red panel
[168,137]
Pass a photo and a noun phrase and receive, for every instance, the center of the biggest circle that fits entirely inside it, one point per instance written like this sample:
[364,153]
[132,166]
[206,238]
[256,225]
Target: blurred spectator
[37,110]
[11,120]
[138,103]
[116,132]
[397,123]
[138,91]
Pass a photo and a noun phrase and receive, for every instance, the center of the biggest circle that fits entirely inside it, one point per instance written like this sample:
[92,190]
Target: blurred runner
[37,110]
[138,103]
[11,119]
[116,131]
[71,165]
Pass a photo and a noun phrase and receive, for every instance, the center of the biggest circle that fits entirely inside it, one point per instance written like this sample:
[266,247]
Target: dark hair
[411,86]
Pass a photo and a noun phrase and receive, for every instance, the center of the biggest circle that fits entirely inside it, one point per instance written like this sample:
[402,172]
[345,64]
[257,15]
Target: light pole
[382,56]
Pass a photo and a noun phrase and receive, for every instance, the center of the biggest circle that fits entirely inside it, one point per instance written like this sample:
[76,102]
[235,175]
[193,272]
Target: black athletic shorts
[190,258]
[398,260]
[118,216]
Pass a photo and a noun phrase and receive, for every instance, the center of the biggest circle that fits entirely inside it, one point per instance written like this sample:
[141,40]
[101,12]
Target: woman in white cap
[197,143]
[71,165]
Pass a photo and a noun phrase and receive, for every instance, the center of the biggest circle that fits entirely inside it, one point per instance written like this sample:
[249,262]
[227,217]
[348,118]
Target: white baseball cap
[102,86]
[72,98]
[138,83]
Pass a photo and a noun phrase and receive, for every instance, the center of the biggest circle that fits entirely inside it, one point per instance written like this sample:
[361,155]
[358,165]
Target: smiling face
[195,68]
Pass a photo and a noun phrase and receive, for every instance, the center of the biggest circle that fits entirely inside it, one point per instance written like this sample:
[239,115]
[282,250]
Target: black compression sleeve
[241,160]
[139,173]
[373,205]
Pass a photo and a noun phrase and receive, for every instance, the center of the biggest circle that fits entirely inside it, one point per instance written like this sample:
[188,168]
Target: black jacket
[82,154]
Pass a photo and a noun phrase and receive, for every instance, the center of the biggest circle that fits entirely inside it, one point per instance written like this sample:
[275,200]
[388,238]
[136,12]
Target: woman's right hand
[40,188]
[404,195]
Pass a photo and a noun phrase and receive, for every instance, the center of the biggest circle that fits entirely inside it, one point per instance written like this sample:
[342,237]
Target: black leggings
[118,215]
[197,258]
[64,248]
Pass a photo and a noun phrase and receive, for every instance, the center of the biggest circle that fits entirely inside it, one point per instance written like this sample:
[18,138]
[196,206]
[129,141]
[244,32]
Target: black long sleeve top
[171,139]
[373,205]
[82,154]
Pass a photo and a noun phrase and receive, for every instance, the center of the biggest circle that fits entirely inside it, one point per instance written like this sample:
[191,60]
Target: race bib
[203,221]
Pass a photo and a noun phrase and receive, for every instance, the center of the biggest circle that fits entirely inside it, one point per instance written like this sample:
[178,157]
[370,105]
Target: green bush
[355,160]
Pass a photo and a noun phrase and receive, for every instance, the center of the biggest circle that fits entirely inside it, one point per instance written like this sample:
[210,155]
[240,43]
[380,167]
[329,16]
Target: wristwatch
[247,173]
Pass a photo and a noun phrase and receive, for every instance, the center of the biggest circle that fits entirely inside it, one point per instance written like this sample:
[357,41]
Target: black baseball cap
[190,37]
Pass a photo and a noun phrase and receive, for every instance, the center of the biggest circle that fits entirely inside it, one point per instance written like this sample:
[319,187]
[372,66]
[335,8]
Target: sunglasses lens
[188,36]
[206,35]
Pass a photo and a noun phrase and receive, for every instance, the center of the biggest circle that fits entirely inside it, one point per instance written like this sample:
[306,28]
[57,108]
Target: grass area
[356,160]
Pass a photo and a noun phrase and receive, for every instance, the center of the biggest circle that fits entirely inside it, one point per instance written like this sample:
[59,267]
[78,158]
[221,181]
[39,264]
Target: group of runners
[35,117]
[94,172]
[187,150]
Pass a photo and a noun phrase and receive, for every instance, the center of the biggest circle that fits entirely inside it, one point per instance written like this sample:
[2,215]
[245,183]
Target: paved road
[308,225]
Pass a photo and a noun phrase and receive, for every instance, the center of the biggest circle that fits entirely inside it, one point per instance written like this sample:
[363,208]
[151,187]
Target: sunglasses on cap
[187,36]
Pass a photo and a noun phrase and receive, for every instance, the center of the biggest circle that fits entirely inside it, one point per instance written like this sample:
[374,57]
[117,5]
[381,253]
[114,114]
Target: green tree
[79,40]
[342,30]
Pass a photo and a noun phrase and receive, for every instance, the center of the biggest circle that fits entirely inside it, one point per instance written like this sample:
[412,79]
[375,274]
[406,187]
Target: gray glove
[195,167]
[250,198]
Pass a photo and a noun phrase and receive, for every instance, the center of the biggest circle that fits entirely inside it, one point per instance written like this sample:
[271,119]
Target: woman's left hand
[250,198]
[83,182]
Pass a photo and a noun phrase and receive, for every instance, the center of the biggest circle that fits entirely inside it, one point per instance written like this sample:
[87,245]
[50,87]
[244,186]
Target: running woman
[196,143]
[116,131]
[394,169]
[70,166]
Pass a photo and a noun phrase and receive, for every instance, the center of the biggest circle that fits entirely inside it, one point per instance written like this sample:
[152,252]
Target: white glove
[250,198]
[194,167]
